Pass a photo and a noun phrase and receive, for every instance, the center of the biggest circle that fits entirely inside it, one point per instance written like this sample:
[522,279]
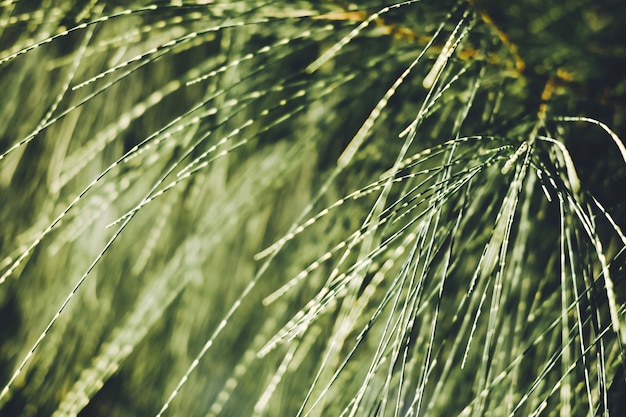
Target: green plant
[312,208]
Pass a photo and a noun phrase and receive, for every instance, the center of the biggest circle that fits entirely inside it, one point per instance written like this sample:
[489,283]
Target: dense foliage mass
[312,208]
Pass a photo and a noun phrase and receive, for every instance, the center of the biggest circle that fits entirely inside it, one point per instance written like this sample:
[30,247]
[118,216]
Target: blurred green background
[202,129]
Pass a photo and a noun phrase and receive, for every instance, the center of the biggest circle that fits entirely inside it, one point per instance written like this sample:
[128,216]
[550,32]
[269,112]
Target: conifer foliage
[312,208]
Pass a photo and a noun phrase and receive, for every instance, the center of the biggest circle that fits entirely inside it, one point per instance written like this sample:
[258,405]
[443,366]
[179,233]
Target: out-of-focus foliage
[312,208]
